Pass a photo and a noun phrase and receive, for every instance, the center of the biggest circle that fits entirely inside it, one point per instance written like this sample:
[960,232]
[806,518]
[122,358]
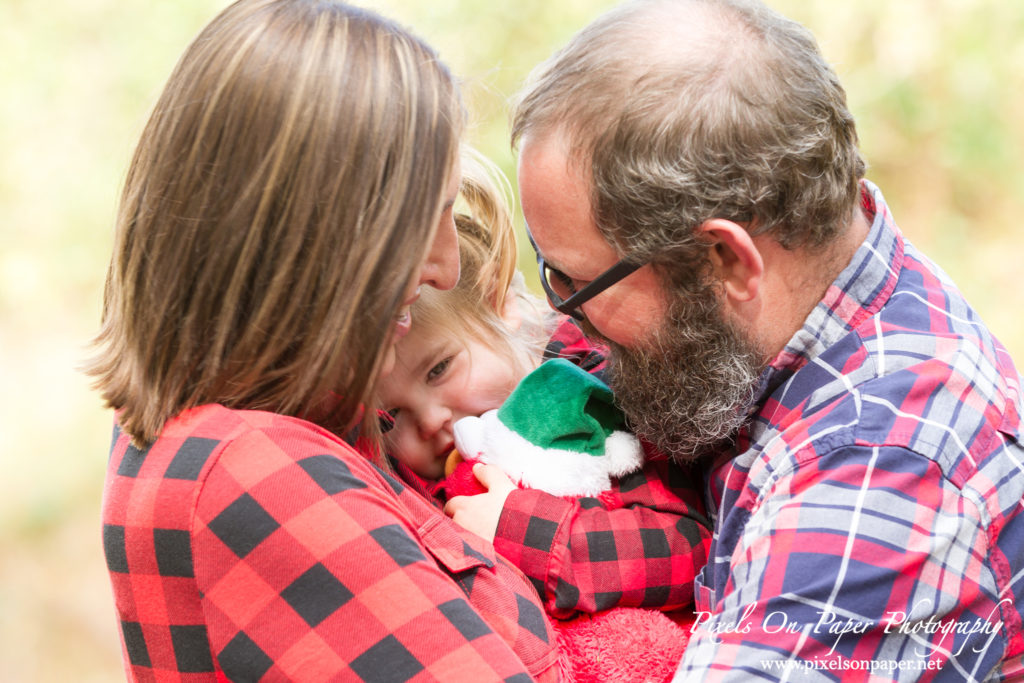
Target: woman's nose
[441,269]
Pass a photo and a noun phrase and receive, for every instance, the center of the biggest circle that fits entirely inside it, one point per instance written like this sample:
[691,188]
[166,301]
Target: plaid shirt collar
[860,291]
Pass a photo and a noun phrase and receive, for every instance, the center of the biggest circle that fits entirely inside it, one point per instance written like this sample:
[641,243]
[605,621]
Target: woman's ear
[735,259]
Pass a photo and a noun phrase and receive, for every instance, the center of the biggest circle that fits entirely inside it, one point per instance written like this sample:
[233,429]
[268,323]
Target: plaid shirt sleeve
[867,564]
[869,523]
[306,562]
[640,544]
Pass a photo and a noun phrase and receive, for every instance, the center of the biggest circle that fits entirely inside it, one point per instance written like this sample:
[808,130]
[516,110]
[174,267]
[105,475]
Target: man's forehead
[557,212]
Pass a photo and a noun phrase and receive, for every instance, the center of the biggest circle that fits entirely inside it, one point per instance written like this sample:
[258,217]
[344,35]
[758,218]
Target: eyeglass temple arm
[595,287]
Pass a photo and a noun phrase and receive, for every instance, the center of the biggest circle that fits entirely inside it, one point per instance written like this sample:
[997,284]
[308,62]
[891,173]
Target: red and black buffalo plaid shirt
[246,545]
[639,544]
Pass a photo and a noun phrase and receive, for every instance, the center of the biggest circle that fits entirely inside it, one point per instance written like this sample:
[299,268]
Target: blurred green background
[936,86]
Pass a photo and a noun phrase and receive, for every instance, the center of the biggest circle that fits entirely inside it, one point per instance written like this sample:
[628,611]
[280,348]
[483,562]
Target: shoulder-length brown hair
[281,196]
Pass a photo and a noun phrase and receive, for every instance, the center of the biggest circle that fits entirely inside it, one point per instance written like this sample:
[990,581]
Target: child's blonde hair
[491,303]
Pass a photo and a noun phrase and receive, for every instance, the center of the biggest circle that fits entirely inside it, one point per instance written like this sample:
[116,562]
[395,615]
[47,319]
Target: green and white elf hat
[559,431]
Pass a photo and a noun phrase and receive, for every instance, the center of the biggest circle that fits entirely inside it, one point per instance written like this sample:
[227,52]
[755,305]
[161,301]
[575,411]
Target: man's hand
[480,513]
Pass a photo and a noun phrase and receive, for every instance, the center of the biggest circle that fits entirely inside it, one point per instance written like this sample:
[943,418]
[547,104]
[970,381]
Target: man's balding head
[684,110]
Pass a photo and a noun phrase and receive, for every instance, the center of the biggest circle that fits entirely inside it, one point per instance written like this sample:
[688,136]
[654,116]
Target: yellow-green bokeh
[937,87]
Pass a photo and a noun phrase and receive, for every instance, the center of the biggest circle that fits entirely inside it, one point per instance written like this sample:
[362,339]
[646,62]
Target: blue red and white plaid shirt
[244,545]
[868,524]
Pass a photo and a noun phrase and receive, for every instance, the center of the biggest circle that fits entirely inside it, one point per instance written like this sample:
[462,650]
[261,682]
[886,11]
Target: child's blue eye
[439,369]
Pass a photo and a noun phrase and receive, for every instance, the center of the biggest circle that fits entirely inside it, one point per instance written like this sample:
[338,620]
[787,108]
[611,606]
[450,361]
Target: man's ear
[735,259]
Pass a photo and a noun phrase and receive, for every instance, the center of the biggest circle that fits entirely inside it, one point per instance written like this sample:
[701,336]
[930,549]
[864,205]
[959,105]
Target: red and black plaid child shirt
[639,544]
[245,545]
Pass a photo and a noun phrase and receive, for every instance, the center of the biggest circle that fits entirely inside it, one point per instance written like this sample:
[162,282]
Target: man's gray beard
[688,389]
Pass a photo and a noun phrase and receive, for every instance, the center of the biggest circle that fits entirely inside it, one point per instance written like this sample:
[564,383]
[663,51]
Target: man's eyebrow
[559,268]
[536,250]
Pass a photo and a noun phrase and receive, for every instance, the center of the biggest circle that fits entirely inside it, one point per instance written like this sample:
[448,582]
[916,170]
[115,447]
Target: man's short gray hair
[687,110]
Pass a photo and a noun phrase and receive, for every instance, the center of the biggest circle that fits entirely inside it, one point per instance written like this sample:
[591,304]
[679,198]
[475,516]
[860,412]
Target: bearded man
[691,181]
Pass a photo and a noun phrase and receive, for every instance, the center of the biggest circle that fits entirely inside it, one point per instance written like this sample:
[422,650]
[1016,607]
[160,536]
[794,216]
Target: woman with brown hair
[290,194]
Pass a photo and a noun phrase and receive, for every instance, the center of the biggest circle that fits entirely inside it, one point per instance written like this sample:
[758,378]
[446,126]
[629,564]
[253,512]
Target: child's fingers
[481,513]
[491,476]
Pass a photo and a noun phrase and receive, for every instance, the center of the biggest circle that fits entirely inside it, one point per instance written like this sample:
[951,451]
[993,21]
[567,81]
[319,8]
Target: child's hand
[480,513]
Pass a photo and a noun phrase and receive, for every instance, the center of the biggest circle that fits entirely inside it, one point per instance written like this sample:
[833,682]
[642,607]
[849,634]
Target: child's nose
[434,420]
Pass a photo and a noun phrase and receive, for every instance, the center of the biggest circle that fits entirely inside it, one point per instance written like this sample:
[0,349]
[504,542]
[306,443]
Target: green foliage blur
[936,86]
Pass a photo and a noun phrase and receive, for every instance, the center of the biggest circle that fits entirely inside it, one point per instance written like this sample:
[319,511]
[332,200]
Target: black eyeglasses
[568,300]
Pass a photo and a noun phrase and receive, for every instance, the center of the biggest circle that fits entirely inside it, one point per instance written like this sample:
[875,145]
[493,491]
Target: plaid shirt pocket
[451,549]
